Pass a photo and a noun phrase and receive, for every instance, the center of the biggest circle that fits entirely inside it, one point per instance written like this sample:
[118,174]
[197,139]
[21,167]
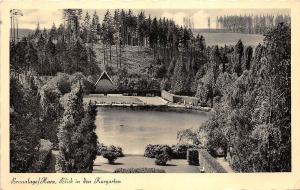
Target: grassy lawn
[139,161]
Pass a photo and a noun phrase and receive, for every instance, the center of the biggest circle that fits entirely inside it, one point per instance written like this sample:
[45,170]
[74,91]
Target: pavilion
[104,84]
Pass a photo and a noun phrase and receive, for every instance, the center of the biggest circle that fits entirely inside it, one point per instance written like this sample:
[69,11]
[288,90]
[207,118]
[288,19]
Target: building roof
[103,76]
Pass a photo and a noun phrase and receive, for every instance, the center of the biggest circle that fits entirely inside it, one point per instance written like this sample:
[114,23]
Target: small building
[104,84]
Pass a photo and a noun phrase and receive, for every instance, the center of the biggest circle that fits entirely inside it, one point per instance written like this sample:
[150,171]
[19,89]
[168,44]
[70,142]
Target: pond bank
[141,102]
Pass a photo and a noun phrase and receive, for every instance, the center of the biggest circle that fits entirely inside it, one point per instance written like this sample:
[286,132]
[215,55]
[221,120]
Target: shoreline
[142,102]
[166,107]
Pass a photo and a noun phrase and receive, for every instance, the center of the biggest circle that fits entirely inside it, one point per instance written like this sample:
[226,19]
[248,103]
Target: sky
[46,18]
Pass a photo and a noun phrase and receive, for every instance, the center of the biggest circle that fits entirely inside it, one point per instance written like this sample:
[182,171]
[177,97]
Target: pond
[134,129]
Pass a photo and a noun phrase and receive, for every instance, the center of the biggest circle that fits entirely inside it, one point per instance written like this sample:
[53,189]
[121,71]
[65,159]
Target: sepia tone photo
[150,90]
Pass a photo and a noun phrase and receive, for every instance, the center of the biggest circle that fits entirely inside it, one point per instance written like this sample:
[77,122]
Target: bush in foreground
[163,155]
[139,170]
[102,148]
[112,153]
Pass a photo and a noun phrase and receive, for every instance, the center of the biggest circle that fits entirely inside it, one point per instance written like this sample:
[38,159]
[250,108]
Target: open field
[231,39]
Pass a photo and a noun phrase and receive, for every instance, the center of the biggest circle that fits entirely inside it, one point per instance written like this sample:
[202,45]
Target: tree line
[258,24]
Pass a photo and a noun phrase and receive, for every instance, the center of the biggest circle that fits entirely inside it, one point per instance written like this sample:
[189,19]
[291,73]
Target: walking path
[225,165]
[52,163]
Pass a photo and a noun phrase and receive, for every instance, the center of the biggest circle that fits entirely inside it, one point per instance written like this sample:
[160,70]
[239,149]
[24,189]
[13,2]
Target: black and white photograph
[150,90]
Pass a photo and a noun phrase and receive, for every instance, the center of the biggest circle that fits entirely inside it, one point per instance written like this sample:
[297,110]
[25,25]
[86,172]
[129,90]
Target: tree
[95,27]
[53,32]
[274,110]
[179,78]
[72,19]
[85,139]
[247,59]
[72,116]
[107,32]
[237,58]
[24,131]
[86,28]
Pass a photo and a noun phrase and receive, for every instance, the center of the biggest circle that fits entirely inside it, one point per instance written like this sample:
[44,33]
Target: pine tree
[95,26]
[179,78]
[53,32]
[237,58]
[107,32]
[86,28]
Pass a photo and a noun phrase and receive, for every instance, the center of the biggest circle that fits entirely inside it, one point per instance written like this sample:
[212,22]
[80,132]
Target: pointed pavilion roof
[104,75]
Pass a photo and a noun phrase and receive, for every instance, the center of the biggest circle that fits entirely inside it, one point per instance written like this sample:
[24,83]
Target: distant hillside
[23,32]
[206,30]
[134,59]
[222,38]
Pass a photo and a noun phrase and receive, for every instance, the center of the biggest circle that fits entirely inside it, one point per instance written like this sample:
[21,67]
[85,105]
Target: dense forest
[247,87]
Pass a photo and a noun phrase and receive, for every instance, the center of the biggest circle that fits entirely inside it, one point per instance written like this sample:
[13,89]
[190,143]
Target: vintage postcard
[154,94]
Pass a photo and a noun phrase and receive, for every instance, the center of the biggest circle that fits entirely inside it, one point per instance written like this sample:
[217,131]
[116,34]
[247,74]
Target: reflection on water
[134,129]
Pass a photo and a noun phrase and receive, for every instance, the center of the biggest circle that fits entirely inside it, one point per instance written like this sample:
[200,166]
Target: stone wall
[179,99]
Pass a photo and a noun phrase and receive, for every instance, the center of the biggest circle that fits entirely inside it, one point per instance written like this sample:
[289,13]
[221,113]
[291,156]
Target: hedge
[193,157]
[151,151]
[139,170]
[178,151]
[209,163]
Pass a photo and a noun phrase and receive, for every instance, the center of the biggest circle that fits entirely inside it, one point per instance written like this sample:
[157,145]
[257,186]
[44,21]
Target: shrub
[44,156]
[152,150]
[162,158]
[112,153]
[162,155]
[179,151]
[102,148]
[139,170]
[62,82]
[110,156]
[88,86]
[193,157]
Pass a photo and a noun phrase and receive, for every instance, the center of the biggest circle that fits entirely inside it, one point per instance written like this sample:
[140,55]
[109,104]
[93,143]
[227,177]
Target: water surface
[134,129]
